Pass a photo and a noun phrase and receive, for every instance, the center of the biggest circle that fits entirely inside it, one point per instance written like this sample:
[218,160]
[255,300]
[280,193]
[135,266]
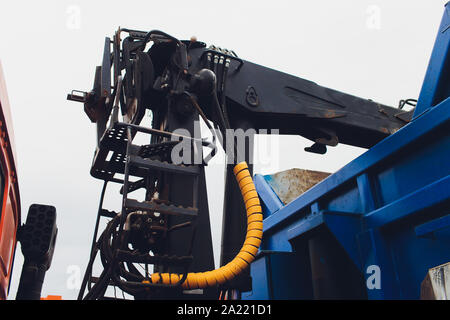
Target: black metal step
[139,162]
[133,186]
[161,150]
[110,156]
[96,279]
[172,260]
[108,214]
[169,209]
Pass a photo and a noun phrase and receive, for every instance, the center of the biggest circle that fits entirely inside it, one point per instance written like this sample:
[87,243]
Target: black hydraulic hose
[205,119]
[31,280]
[161,33]
[223,92]
[103,280]
[223,125]
[93,246]
[215,64]
[219,76]
[99,286]
[109,263]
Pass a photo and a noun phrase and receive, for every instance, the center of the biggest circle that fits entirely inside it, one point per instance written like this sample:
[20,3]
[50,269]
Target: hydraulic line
[222,90]
[246,255]
[94,250]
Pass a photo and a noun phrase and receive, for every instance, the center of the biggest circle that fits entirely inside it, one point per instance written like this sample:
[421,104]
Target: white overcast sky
[372,49]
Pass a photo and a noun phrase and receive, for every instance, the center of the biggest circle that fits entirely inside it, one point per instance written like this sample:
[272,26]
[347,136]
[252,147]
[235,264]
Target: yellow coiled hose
[248,251]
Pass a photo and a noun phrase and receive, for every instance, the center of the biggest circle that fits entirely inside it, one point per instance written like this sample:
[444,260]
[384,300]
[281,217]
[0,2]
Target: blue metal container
[373,229]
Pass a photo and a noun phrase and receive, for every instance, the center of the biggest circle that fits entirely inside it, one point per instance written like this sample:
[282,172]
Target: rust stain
[385,130]
[290,184]
[331,114]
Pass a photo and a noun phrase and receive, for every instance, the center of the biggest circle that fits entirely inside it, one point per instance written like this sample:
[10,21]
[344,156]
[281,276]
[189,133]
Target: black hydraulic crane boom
[177,82]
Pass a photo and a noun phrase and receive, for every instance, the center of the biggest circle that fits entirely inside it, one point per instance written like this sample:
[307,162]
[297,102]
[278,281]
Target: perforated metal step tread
[139,162]
[169,209]
[173,260]
[162,150]
[110,156]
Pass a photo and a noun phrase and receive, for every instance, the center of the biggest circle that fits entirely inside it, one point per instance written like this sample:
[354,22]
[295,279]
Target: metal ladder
[117,155]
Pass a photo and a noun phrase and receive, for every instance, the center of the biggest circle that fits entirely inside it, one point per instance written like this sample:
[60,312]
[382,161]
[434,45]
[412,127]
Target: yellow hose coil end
[251,195]
[201,280]
[232,268]
[254,234]
[210,278]
[247,188]
[254,210]
[241,263]
[220,277]
[244,182]
[255,226]
[241,175]
[155,278]
[254,218]
[227,273]
[165,278]
[255,242]
[191,281]
[248,251]
[174,278]
[187,284]
[235,268]
[252,202]
[247,257]
[239,167]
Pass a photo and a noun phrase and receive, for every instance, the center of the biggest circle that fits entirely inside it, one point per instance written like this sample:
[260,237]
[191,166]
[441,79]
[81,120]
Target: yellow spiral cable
[246,255]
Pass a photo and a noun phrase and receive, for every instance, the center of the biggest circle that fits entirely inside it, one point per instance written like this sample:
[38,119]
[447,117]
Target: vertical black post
[234,225]
[181,189]
[31,280]
[37,237]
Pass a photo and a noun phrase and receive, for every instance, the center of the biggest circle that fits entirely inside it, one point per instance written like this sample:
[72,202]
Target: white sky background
[372,49]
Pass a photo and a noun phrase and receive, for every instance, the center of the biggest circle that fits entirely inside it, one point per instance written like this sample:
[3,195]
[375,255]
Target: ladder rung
[162,208]
[133,186]
[96,279]
[163,166]
[155,260]
[107,213]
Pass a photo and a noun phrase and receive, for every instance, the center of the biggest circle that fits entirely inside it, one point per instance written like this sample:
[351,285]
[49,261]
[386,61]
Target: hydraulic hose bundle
[248,251]
[118,258]
[135,284]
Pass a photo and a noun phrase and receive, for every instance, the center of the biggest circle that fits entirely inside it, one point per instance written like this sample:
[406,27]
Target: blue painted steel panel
[437,78]
[435,229]
[271,202]
[387,211]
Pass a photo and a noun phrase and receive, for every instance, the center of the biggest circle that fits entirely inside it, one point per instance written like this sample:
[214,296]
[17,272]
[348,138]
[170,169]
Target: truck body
[10,210]
[376,227]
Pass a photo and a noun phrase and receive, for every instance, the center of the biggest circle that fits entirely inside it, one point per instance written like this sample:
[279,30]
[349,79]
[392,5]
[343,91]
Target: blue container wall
[388,210]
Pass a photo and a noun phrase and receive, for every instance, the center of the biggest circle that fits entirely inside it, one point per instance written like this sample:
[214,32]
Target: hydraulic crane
[177,83]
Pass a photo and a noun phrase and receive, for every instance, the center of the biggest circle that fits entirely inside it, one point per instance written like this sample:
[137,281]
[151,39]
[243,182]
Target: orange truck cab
[37,236]
[9,191]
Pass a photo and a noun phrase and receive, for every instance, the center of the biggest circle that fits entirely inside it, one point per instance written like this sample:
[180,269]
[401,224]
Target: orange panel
[50,297]
[7,238]
[10,202]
